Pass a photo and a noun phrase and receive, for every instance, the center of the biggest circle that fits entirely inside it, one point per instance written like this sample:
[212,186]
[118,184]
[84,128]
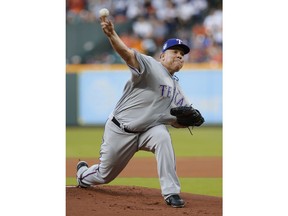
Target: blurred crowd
[197,22]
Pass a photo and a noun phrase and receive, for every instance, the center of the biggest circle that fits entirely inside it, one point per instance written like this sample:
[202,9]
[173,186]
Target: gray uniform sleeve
[144,64]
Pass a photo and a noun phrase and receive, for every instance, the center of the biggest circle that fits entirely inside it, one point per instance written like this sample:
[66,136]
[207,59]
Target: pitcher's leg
[117,149]
[158,141]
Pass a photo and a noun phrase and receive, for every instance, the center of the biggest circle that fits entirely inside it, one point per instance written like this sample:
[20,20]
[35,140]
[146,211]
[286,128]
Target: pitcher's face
[173,59]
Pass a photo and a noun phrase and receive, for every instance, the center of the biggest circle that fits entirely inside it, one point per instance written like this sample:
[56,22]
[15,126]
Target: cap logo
[165,45]
[179,41]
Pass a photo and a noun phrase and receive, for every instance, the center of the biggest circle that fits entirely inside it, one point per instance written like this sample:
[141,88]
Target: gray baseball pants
[118,147]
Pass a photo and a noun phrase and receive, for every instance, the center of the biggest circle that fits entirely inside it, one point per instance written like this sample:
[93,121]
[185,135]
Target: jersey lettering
[180,101]
[162,89]
[169,91]
[177,98]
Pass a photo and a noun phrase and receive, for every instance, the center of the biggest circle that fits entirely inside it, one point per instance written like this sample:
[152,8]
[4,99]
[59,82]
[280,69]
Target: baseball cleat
[84,166]
[175,201]
[81,164]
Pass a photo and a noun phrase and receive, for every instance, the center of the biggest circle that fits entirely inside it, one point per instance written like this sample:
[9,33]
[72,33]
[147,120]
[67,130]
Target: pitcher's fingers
[103,19]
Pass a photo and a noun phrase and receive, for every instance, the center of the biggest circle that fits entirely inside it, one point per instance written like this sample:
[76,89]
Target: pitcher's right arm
[118,45]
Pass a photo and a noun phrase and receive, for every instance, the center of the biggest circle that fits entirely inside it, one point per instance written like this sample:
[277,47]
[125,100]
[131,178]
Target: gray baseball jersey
[148,96]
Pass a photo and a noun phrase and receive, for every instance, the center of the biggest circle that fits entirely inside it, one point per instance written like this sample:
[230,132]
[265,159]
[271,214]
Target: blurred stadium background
[93,87]
[144,25]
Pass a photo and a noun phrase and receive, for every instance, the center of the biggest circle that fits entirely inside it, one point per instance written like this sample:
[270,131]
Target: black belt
[114,120]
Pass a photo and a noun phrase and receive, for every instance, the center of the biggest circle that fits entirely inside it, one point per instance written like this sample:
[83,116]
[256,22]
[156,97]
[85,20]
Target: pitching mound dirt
[108,200]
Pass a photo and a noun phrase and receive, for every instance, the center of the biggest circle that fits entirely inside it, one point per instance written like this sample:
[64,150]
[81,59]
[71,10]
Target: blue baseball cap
[173,42]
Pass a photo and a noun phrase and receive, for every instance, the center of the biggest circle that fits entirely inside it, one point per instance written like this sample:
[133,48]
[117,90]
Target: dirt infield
[107,200]
[206,167]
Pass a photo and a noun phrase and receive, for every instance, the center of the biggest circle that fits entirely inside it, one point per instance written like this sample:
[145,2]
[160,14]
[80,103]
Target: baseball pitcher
[151,99]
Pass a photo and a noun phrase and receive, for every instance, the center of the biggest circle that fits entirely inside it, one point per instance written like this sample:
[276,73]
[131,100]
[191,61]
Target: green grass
[203,186]
[205,141]
[83,142]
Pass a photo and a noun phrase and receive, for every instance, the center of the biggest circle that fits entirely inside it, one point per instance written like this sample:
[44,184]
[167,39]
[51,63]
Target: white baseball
[104,12]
